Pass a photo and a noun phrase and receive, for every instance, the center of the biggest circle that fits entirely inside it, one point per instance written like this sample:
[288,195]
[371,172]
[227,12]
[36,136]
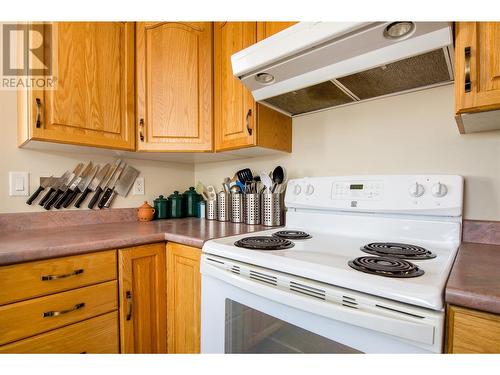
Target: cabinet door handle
[141,129]
[128,296]
[63,276]
[249,116]
[49,314]
[38,112]
[467,69]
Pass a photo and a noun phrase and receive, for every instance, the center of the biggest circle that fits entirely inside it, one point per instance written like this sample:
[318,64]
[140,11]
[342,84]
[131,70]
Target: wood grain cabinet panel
[93,103]
[268,28]
[35,279]
[483,41]
[472,331]
[174,86]
[93,336]
[142,299]
[239,121]
[183,302]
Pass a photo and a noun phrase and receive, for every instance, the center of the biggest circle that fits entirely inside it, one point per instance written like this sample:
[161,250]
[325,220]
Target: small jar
[145,212]
[176,205]
[161,208]
[191,199]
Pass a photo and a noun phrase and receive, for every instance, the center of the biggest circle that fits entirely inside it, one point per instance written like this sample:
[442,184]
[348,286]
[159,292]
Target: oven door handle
[422,332]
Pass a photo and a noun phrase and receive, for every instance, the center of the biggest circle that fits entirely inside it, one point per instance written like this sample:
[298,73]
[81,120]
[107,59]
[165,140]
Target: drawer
[96,335]
[28,318]
[472,331]
[35,279]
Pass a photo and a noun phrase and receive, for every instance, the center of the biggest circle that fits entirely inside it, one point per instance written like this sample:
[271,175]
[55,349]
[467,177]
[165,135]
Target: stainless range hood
[313,66]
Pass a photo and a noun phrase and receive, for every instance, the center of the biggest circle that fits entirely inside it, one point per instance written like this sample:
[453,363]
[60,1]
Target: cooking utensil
[81,186]
[212,195]
[124,184]
[227,183]
[45,184]
[266,180]
[111,185]
[63,186]
[235,189]
[104,183]
[277,177]
[202,190]
[68,189]
[92,184]
[244,175]
[58,182]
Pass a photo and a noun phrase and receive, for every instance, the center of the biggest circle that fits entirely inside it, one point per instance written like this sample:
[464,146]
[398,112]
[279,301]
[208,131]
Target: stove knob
[439,190]
[416,190]
[309,189]
[297,190]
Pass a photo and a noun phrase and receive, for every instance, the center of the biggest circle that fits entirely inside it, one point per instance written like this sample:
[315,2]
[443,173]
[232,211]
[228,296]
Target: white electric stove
[369,275]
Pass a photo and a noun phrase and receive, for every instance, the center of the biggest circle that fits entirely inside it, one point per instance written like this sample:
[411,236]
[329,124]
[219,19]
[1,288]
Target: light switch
[18,183]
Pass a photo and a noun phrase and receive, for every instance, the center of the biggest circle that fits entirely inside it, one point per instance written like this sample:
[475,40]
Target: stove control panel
[439,195]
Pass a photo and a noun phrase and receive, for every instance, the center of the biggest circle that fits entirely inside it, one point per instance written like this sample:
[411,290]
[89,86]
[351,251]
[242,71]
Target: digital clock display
[356,187]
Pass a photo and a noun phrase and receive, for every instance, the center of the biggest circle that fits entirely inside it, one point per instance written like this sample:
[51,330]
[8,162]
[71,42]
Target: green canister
[161,208]
[191,199]
[176,205]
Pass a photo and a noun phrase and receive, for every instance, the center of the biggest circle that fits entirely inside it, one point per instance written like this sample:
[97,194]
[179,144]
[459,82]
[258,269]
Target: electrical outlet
[138,186]
[19,183]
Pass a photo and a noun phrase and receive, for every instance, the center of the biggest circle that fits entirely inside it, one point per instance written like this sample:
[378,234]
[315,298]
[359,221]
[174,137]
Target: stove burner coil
[264,243]
[292,234]
[385,266]
[398,250]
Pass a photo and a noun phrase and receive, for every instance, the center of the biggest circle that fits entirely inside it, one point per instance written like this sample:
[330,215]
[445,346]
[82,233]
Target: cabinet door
[234,109]
[483,40]
[183,302]
[266,29]
[142,299]
[174,86]
[93,103]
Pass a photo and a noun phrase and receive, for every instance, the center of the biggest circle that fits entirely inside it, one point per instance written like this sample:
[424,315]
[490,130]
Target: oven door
[240,315]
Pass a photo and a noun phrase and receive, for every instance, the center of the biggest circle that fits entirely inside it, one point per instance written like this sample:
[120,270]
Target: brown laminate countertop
[475,278]
[35,244]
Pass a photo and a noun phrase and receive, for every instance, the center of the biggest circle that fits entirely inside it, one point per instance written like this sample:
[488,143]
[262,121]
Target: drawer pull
[49,314]
[128,296]
[57,277]
[249,128]
[467,85]
[38,121]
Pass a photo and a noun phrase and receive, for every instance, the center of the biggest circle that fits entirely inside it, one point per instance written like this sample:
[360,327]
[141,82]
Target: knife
[81,186]
[103,184]
[76,180]
[62,187]
[93,182]
[54,187]
[111,185]
[45,184]
[124,184]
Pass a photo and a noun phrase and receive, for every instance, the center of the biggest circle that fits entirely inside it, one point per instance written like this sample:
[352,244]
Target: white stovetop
[325,258]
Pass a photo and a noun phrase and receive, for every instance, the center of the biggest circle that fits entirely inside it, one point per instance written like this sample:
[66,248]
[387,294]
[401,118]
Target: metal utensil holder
[237,208]
[272,209]
[211,209]
[223,206]
[252,209]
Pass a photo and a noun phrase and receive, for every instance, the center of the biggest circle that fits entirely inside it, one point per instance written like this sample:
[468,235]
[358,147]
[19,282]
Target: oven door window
[251,331]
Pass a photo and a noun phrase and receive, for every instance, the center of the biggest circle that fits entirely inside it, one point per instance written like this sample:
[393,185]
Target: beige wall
[412,133]
[160,177]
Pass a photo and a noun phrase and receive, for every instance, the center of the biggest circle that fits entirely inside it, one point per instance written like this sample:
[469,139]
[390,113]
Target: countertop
[35,244]
[475,278]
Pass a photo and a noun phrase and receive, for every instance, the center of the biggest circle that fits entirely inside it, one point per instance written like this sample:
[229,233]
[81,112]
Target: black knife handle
[62,198]
[95,198]
[105,197]
[52,199]
[82,197]
[71,197]
[35,194]
[46,196]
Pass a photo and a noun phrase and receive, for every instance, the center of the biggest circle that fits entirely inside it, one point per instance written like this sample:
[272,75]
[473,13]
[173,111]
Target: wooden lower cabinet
[142,283]
[472,331]
[93,336]
[183,298]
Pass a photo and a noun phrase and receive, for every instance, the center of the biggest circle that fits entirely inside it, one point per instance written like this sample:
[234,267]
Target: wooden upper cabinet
[239,121]
[266,29]
[142,291]
[477,48]
[93,103]
[174,86]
